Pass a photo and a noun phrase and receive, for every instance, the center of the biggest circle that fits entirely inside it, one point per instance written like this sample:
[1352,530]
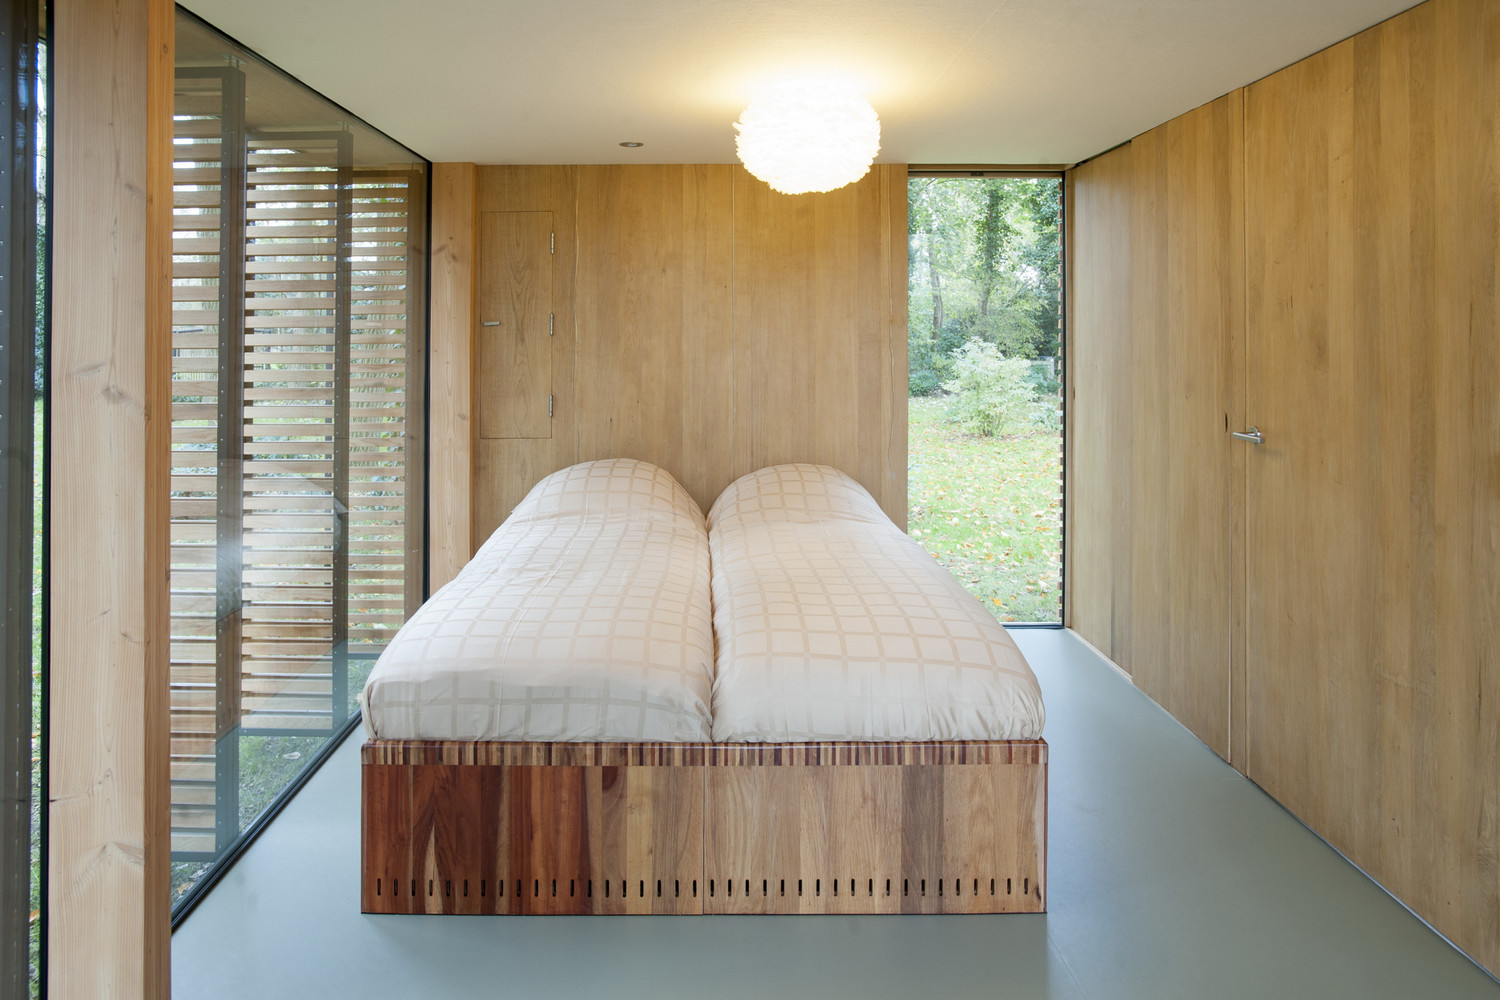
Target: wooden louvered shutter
[296,418]
[207,334]
[297,492]
[385,496]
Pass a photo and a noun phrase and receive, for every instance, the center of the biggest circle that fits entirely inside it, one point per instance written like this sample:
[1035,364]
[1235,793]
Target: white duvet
[586,616]
[832,624]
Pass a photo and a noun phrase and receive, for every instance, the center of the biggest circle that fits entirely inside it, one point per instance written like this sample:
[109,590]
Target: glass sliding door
[297,493]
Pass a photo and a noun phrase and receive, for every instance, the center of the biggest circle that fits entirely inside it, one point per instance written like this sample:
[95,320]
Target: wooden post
[107,895]
[451,401]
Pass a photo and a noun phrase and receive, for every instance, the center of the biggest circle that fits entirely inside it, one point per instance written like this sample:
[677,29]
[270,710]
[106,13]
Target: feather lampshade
[802,137]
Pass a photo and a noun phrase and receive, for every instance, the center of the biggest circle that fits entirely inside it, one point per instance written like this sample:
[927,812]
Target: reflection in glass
[298,344]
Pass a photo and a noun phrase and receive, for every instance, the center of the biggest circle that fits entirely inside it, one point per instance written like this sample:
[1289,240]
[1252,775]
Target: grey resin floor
[1170,876]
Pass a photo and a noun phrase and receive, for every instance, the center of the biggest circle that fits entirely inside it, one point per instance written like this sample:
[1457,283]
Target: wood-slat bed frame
[619,828]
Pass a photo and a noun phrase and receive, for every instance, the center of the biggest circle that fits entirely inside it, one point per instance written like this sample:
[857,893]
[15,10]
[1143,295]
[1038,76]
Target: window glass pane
[22,257]
[298,347]
[985,380]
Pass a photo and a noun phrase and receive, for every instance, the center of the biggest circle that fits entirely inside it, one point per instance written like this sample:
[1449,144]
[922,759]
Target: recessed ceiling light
[632,145]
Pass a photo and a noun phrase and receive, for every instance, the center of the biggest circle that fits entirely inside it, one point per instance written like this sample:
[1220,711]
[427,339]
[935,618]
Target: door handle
[1253,435]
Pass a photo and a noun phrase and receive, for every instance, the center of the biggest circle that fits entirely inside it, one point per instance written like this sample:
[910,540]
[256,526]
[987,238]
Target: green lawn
[990,510]
[36,694]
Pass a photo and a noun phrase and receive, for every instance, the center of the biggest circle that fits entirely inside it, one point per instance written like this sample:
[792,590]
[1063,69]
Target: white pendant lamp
[808,136]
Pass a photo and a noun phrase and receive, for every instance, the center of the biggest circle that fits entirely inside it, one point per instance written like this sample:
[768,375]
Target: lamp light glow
[801,137]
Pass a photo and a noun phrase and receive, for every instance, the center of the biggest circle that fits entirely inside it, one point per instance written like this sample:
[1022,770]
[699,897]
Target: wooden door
[512,343]
[1156,241]
[1312,557]
[1372,616]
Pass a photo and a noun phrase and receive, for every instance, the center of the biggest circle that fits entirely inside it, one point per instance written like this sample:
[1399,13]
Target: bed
[621,707]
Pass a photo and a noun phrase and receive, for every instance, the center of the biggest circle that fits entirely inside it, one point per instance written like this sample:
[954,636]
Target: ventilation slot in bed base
[543,893]
[872,894]
[736,893]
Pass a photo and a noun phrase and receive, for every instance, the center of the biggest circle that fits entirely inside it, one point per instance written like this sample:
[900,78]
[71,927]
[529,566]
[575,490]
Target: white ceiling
[954,81]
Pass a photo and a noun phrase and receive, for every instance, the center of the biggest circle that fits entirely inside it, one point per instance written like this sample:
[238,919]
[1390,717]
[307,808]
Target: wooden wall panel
[1099,232]
[719,328]
[450,483]
[505,469]
[654,333]
[1180,571]
[1156,287]
[513,341]
[1364,534]
[109,833]
[1373,512]
[814,346]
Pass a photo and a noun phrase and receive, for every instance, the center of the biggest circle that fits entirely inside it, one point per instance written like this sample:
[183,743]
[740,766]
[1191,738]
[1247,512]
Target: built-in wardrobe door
[1155,240]
[1372,618]
[523,335]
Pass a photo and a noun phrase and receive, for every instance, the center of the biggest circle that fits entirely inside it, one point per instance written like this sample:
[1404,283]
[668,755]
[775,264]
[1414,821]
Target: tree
[985,265]
[924,216]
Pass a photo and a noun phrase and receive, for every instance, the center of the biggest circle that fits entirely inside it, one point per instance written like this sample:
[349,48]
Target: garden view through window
[985,380]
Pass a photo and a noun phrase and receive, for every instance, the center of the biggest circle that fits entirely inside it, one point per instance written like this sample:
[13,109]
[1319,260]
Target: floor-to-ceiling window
[985,380]
[22,418]
[297,475]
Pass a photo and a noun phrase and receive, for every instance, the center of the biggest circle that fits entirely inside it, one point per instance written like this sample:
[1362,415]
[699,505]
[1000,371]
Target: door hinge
[550,318]
[552,243]
[549,407]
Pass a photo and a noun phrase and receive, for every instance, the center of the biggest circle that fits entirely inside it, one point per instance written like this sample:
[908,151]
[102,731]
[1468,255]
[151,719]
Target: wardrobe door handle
[1253,435]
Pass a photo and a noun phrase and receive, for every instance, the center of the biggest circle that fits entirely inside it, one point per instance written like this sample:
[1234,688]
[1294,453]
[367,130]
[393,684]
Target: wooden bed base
[612,828]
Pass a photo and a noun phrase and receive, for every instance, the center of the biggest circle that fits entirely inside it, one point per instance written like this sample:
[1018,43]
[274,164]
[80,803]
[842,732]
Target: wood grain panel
[704,828]
[815,340]
[108,928]
[1373,517]
[654,334]
[513,338]
[875,838]
[1099,233]
[504,470]
[889,370]
[451,472]
[444,838]
[720,328]
[1157,292]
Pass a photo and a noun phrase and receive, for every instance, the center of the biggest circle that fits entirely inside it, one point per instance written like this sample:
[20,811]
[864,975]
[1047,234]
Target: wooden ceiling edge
[987,169]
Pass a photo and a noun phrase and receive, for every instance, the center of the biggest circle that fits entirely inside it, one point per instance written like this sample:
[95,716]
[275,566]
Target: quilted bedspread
[832,624]
[586,616]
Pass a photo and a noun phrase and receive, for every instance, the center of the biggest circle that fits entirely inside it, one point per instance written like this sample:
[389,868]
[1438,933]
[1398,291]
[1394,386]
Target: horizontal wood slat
[320,537]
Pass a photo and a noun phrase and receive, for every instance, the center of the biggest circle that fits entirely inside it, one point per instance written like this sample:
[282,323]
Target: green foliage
[1047,386]
[1014,330]
[38,426]
[39,318]
[991,393]
[929,366]
[989,509]
[922,377]
[984,264]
